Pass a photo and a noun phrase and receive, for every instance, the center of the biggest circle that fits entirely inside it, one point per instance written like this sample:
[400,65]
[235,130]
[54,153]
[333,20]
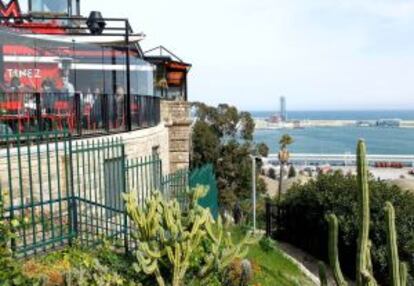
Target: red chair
[15,111]
[134,110]
[62,111]
[87,113]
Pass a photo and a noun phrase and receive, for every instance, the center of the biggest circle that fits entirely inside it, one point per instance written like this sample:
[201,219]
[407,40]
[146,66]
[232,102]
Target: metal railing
[80,114]
[57,190]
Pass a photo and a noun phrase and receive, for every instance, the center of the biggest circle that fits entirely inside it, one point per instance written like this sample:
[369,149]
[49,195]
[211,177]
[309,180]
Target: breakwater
[263,124]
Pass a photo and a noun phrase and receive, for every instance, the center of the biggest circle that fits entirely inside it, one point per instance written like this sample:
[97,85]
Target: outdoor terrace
[80,114]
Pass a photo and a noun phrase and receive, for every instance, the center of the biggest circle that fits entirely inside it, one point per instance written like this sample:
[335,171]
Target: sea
[342,140]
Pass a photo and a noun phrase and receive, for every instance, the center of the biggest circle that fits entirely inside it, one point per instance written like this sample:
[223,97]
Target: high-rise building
[283,112]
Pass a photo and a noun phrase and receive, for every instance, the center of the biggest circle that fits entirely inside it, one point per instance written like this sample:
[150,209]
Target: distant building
[388,123]
[283,112]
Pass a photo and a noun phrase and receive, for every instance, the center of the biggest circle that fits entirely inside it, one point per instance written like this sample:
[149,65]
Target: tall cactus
[393,260]
[364,275]
[333,250]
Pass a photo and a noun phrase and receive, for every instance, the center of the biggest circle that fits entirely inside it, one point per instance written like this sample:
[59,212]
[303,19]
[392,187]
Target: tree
[223,136]
[263,150]
[292,172]
[272,174]
[285,141]
[205,144]
[284,155]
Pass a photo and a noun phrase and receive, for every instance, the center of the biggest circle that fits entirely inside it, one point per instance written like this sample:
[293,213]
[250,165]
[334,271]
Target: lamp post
[254,158]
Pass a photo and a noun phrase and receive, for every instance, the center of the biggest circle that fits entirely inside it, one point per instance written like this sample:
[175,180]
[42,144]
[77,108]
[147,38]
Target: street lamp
[254,158]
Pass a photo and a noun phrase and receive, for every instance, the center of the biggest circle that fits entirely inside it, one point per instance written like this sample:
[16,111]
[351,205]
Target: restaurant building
[89,76]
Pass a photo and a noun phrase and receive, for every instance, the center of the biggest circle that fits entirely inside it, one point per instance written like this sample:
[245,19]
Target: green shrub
[10,269]
[100,265]
[271,173]
[266,244]
[303,220]
[292,172]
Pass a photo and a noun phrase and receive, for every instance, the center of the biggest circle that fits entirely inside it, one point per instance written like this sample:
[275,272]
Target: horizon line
[329,110]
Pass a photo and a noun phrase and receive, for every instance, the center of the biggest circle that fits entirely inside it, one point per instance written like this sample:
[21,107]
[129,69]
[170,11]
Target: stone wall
[176,115]
[145,142]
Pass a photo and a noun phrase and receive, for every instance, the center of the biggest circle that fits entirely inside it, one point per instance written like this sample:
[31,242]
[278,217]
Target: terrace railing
[80,114]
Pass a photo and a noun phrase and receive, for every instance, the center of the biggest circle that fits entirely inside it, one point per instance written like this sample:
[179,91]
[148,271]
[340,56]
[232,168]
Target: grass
[272,268]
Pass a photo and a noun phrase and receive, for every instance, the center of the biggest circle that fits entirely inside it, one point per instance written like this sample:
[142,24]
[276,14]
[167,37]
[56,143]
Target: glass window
[50,6]
[24,6]
[74,8]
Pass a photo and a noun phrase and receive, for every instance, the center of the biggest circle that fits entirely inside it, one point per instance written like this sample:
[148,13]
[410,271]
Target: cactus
[403,273]
[364,272]
[247,272]
[394,263]
[322,274]
[363,275]
[333,250]
[68,279]
[168,239]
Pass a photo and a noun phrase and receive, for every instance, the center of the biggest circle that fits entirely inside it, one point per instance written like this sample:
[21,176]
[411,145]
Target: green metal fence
[98,182]
[144,176]
[205,176]
[58,190]
[36,189]
[176,185]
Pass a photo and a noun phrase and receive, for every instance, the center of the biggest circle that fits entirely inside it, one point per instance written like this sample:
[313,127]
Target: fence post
[73,211]
[123,174]
[105,109]
[268,219]
[78,113]
[39,112]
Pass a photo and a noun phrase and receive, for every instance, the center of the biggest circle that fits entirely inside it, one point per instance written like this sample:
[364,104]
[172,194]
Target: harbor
[287,119]
[265,124]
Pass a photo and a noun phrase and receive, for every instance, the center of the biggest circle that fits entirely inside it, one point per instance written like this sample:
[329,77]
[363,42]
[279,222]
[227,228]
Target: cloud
[394,10]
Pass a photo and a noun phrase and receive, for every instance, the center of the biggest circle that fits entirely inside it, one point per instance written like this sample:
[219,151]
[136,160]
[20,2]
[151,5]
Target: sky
[319,54]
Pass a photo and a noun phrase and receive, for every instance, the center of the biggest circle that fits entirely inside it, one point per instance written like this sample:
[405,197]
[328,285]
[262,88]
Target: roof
[166,58]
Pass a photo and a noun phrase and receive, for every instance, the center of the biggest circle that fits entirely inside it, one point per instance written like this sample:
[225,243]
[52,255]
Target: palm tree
[284,155]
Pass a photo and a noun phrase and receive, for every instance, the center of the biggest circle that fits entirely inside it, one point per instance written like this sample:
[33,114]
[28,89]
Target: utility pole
[254,193]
